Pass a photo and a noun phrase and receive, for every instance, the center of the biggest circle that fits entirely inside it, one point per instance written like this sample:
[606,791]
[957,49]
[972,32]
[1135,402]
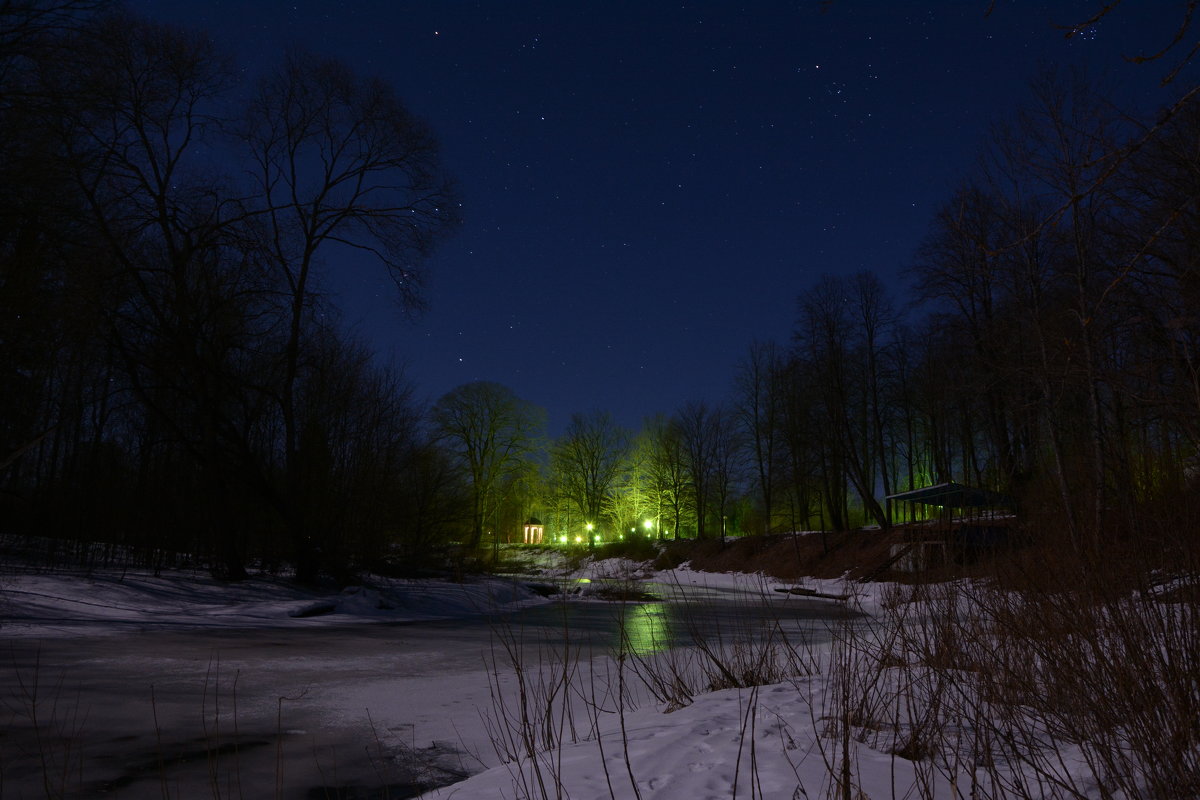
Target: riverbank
[1062,680]
[118,682]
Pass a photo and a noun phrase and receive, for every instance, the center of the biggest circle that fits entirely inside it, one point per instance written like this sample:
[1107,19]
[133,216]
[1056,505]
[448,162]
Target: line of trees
[1051,353]
[175,380]
[173,376]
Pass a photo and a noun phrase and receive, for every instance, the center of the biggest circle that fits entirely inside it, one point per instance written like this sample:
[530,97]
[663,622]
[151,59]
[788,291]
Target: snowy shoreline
[109,602]
[881,710]
[48,606]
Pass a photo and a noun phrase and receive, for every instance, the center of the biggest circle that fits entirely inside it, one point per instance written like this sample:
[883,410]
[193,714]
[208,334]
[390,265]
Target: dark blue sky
[648,186]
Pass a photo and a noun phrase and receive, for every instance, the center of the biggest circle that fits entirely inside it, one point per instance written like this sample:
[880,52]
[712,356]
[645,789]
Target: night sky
[648,186]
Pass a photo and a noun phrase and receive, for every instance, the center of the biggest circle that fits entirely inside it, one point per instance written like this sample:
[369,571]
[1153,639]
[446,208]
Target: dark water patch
[155,766]
[391,791]
[410,772]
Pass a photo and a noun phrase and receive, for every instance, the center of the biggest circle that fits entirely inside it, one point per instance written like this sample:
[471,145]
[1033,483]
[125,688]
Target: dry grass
[788,556]
[852,555]
[1066,667]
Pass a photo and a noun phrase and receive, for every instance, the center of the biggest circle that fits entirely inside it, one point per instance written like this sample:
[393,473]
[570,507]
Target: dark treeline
[1052,354]
[175,382]
[173,378]
[1048,352]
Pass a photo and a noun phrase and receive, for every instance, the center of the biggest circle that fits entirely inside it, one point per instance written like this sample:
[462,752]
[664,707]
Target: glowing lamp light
[578,539]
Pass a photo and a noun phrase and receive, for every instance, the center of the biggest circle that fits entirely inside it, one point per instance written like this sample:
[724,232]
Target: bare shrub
[44,725]
[1071,674]
[1066,673]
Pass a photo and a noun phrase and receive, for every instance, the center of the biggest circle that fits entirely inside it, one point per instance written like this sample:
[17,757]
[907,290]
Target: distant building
[983,520]
[534,531]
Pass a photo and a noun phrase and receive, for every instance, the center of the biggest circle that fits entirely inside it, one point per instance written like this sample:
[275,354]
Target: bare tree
[831,346]
[204,284]
[633,500]
[668,468]
[1163,243]
[700,429]
[430,497]
[876,318]
[492,433]
[728,463]
[588,459]
[1067,146]
[358,430]
[134,102]
[759,413]
[963,266]
[338,163]
[29,29]
[812,484]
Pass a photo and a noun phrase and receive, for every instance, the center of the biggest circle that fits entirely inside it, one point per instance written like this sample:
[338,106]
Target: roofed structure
[954,495]
[534,531]
[948,535]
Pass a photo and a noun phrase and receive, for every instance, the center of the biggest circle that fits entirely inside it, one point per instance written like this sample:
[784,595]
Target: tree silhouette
[492,433]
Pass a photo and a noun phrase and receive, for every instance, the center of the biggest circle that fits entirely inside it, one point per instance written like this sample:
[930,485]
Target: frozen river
[351,711]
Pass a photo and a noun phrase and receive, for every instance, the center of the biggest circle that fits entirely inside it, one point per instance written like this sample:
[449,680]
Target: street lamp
[591,538]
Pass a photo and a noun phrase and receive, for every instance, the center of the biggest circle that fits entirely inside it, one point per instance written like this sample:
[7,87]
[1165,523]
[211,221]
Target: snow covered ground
[536,723]
[770,741]
[103,603]
[764,741]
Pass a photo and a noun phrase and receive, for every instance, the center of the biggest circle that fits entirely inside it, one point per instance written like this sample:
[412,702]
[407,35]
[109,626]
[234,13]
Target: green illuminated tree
[709,440]
[633,497]
[668,472]
[694,423]
[588,458]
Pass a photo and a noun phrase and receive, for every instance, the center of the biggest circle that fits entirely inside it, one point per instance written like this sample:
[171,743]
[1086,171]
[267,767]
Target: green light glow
[644,630]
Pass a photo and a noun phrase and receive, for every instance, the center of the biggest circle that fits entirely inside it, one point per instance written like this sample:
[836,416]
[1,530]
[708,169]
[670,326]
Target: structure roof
[955,495]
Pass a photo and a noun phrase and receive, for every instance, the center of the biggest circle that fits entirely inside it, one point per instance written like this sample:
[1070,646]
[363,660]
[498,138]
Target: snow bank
[113,602]
[762,742]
